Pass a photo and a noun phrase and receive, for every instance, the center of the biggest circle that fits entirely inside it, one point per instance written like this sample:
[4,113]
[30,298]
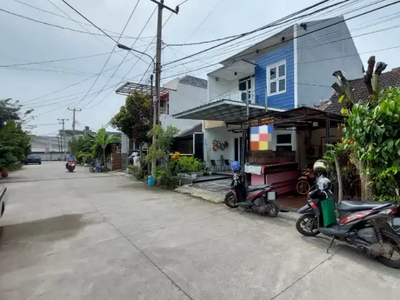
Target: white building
[177,95]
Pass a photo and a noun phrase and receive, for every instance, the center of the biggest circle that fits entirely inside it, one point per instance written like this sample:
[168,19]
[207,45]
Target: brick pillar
[116,161]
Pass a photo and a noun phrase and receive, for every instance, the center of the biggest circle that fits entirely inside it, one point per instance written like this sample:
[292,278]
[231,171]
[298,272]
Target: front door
[198,146]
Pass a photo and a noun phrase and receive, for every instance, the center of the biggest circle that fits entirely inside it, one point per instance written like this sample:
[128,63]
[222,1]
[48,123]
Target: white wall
[124,143]
[316,59]
[185,97]
[221,87]
[220,134]
[181,124]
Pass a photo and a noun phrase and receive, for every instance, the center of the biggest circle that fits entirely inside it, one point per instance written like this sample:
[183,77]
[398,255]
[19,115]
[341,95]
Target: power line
[94,25]
[149,66]
[290,39]
[50,24]
[116,41]
[272,24]
[115,71]
[71,19]
[55,60]
[338,57]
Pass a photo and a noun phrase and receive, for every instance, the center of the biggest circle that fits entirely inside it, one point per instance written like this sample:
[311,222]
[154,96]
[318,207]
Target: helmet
[235,166]
[320,167]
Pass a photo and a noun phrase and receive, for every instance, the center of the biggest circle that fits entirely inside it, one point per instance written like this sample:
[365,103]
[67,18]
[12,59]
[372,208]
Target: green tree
[14,145]
[374,134]
[101,140]
[134,118]
[164,139]
[10,110]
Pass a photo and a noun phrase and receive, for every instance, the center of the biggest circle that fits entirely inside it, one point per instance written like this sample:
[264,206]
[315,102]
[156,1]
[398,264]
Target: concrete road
[98,236]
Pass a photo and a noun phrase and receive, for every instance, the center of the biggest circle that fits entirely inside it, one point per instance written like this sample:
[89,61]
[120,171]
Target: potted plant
[4,172]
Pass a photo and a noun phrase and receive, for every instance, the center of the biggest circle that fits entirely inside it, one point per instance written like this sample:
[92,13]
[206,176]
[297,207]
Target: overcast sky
[24,41]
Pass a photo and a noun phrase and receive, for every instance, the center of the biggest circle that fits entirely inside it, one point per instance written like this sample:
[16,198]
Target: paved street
[100,236]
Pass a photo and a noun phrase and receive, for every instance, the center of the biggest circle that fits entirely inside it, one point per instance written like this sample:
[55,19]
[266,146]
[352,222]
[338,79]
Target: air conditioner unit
[313,152]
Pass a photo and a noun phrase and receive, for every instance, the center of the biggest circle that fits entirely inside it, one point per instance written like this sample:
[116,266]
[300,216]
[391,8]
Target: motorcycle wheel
[272,209]
[91,170]
[394,261]
[303,187]
[230,200]
[303,225]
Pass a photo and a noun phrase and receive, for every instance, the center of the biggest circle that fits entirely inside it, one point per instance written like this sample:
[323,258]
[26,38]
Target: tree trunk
[365,179]
[339,180]
[104,157]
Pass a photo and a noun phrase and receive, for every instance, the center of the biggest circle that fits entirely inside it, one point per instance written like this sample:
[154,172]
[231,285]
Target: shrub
[187,164]
[165,179]
[136,172]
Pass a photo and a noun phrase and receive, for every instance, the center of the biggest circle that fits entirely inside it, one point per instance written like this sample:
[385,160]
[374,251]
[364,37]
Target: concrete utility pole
[74,110]
[156,97]
[62,121]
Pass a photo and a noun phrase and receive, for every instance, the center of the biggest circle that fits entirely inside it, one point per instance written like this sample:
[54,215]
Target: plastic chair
[214,165]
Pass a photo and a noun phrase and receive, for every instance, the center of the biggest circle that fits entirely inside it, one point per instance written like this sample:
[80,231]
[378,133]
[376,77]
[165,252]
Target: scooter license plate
[271,196]
[396,222]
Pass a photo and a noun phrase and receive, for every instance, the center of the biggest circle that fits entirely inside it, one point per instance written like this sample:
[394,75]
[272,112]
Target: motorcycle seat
[361,205]
[253,188]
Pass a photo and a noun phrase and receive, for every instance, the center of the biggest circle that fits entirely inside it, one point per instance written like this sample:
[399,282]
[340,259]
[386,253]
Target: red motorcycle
[305,182]
[71,166]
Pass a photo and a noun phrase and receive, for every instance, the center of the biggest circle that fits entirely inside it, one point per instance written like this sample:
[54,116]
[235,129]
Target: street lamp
[155,98]
[123,47]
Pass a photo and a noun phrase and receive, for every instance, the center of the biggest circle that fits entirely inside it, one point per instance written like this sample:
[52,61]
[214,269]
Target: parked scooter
[71,166]
[95,167]
[258,198]
[369,226]
[305,181]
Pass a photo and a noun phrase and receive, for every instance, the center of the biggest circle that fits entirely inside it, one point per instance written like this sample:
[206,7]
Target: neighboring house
[360,91]
[290,69]
[183,94]
[360,94]
[178,95]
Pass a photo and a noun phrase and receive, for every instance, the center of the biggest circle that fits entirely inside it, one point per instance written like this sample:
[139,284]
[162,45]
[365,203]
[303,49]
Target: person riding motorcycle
[322,188]
[70,157]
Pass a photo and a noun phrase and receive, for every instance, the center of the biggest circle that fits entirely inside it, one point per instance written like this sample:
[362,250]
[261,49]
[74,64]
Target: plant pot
[4,173]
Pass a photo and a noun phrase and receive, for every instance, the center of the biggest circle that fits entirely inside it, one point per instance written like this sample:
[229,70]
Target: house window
[284,142]
[276,78]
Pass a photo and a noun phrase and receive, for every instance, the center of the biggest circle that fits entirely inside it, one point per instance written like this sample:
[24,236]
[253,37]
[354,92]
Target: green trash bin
[328,212]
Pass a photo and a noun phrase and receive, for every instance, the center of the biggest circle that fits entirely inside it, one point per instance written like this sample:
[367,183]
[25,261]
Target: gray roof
[360,91]
[194,81]
[190,131]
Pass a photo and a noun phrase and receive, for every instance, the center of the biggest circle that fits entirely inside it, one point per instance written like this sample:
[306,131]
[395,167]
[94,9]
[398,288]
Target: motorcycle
[258,198]
[71,166]
[305,182]
[367,225]
[95,167]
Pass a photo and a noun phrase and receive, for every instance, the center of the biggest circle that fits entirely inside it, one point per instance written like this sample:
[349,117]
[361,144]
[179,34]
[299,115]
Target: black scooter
[367,225]
[258,198]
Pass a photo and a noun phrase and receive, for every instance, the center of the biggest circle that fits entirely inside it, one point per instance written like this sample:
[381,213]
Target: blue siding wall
[284,100]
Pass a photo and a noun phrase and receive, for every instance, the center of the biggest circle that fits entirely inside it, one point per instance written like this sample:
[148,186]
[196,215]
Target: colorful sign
[260,136]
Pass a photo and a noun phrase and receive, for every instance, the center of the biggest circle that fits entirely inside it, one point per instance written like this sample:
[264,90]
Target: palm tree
[102,139]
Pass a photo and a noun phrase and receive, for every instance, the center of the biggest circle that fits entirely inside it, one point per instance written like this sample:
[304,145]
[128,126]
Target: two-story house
[177,95]
[290,69]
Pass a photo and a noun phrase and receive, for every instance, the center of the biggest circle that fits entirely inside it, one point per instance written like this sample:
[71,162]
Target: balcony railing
[241,96]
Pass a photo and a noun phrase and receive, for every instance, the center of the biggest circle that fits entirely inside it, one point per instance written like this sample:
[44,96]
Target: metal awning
[302,117]
[222,110]
[130,87]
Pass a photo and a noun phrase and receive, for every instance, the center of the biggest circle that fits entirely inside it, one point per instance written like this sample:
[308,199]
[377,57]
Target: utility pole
[74,110]
[156,97]
[62,121]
